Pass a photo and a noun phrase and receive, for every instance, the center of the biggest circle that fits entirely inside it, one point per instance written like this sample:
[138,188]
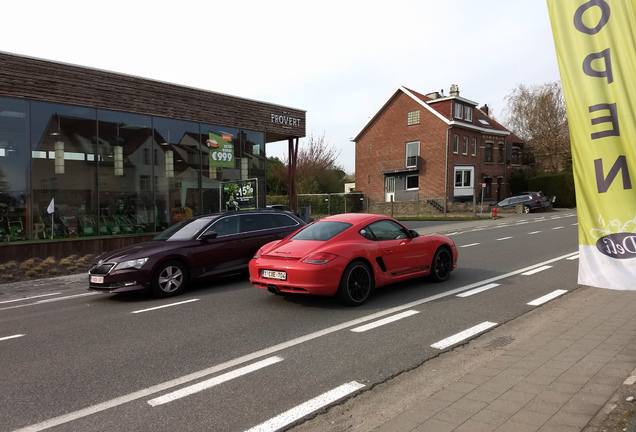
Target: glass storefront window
[69,171]
[177,159]
[14,169]
[63,167]
[126,204]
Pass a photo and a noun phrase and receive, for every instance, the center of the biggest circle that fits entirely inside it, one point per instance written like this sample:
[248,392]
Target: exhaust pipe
[273,289]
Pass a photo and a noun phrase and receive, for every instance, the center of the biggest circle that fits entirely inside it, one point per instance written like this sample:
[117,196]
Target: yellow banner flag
[595,44]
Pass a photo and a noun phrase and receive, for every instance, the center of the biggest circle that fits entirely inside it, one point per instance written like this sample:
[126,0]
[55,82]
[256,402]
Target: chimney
[486,110]
[454,90]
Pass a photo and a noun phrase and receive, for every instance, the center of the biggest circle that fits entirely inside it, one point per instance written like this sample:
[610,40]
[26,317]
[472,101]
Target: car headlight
[136,264]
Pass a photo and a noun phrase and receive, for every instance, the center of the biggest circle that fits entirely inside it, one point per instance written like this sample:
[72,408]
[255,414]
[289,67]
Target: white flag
[51,207]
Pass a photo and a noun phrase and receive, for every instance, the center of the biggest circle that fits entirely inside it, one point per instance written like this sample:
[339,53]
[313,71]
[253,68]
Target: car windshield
[321,231]
[183,230]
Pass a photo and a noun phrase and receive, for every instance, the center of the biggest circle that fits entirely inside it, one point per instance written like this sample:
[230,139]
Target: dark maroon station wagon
[197,248]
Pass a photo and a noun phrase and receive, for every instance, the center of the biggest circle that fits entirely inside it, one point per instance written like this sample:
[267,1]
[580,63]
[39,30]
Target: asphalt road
[229,357]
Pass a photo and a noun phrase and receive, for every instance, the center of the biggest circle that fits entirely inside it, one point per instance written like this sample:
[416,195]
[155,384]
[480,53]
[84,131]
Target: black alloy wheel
[169,279]
[442,264]
[356,284]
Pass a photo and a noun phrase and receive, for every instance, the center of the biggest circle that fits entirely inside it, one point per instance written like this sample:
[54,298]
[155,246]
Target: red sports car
[348,255]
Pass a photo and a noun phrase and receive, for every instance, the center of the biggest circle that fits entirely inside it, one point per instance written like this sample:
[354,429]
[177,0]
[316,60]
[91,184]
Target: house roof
[440,108]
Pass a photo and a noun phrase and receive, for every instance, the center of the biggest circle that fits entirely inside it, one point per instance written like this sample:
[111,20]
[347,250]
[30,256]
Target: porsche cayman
[348,255]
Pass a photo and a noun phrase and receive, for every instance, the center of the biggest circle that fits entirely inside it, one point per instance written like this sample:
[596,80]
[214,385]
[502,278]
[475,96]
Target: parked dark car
[278,207]
[197,248]
[531,201]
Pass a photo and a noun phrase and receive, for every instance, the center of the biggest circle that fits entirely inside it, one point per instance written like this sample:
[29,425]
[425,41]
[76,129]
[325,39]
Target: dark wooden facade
[43,80]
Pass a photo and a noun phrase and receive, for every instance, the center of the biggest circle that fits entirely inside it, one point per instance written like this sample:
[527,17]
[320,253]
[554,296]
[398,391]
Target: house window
[412,182]
[465,145]
[473,147]
[144,183]
[514,156]
[500,153]
[488,154]
[468,114]
[455,144]
[459,111]
[463,177]
[146,156]
[412,152]
[413,118]
[464,181]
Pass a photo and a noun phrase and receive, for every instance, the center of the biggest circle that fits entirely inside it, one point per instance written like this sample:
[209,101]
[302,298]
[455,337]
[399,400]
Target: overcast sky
[338,60]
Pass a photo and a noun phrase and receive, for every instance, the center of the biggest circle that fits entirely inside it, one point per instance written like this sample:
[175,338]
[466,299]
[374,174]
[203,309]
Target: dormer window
[468,114]
[459,111]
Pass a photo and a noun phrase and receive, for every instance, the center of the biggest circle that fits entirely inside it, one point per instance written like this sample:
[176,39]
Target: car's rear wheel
[442,264]
[169,279]
[356,284]
[526,209]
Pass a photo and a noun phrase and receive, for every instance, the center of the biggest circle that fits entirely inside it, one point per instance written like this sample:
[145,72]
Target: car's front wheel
[356,284]
[526,209]
[442,264]
[169,279]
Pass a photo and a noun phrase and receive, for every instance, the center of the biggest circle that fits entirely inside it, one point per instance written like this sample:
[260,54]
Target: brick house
[427,147]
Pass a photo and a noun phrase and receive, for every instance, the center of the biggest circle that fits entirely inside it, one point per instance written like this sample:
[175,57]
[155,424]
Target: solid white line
[28,298]
[575,257]
[504,238]
[452,340]
[10,337]
[384,321]
[164,306]
[534,232]
[204,385]
[103,406]
[537,270]
[66,297]
[546,298]
[478,290]
[469,245]
[296,413]
[51,300]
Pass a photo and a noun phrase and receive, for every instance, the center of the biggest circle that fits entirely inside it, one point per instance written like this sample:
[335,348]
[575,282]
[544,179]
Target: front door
[389,189]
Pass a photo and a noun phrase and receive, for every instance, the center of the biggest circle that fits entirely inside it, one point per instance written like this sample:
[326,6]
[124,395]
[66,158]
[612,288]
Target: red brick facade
[381,149]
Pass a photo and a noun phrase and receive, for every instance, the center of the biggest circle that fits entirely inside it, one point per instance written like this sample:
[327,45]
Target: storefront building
[87,153]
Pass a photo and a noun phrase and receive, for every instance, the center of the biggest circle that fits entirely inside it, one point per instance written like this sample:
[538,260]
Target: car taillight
[320,258]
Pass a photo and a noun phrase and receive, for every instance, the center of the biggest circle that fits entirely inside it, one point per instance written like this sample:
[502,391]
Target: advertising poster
[221,150]
[238,195]
[596,52]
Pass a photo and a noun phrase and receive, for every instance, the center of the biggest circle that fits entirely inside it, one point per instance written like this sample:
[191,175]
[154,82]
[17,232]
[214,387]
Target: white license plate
[273,274]
[97,279]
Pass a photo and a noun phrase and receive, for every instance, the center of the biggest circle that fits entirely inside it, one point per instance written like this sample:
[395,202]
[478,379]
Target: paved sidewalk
[552,370]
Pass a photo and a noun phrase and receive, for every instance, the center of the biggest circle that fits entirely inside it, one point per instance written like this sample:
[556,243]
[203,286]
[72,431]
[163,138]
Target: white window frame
[474,147]
[459,111]
[455,144]
[406,182]
[465,186]
[464,145]
[468,114]
[410,153]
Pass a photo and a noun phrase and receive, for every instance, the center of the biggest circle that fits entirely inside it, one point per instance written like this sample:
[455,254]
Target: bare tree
[316,169]
[537,115]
